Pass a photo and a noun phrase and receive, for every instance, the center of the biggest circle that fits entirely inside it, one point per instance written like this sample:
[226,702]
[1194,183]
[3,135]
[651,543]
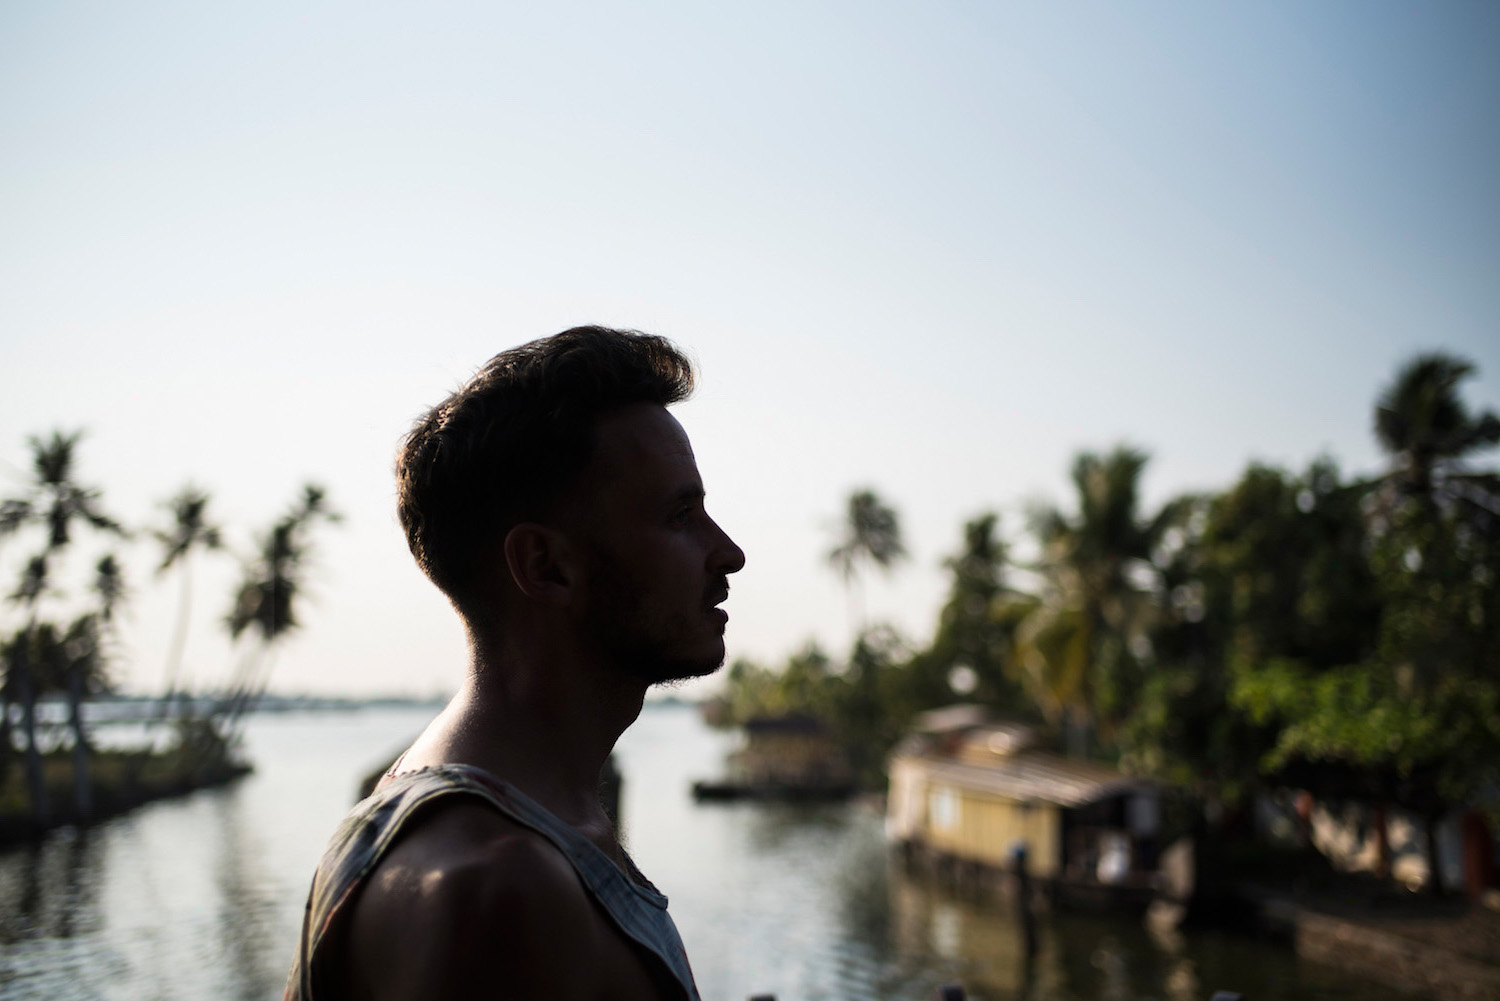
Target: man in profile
[558,505]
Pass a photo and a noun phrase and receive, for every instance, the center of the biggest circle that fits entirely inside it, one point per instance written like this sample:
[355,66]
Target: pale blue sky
[934,249]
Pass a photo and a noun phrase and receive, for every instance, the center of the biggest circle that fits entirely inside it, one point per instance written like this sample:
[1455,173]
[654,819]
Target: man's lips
[716,596]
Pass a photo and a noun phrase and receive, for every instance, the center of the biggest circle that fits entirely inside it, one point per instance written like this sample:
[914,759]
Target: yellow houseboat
[966,793]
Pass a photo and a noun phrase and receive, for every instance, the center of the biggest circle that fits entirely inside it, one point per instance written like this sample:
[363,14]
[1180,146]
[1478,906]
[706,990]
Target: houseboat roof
[786,723]
[1029,776]
[951,718]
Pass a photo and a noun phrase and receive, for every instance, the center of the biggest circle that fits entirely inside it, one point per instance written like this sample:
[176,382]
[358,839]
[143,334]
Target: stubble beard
[642,643]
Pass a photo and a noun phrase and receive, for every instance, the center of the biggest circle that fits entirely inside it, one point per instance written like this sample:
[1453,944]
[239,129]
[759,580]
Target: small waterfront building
[1348,833]
[972,791]
[792,756]
[790,750]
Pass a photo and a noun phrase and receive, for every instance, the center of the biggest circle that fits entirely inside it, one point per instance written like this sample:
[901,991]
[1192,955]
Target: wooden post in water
[1024,912]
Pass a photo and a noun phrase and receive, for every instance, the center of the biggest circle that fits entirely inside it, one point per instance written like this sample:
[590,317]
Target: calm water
[202,897]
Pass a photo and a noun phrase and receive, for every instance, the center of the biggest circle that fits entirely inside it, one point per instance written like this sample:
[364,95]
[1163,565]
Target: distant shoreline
[140,708]
[121,781]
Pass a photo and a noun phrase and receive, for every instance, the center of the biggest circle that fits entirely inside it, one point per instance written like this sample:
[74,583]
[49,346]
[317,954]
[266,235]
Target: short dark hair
[507,444]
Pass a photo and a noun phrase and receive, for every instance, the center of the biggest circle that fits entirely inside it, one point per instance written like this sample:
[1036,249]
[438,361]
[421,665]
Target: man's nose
[730,557]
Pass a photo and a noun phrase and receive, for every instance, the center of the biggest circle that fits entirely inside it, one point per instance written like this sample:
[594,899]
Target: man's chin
[657,671]
[681,677]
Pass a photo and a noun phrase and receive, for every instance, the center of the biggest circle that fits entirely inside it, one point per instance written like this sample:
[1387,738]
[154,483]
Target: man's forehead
[640,462]
[641,430]
[637,437]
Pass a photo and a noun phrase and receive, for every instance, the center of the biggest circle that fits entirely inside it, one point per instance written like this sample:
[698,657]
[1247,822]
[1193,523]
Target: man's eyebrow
[689,492]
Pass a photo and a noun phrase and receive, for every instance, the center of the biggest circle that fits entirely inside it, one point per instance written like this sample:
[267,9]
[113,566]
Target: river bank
[119,780]
[1437,948]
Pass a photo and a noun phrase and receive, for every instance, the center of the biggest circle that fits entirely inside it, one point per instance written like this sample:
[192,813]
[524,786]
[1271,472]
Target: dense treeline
[1303,629]
[57,627]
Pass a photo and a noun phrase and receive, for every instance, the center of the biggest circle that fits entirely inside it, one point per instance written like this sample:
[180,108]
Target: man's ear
[541,562]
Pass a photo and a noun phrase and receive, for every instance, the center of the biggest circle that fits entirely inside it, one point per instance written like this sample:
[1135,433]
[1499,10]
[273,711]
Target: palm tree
[15,512]
[265,600]
[1427,431]
[57,500]
[974,645]
[190,530]
[1081,650]
[871,538]
[56,503]
[82,663]
[9,696]
[1437,527]
[23,673]
[1055,647]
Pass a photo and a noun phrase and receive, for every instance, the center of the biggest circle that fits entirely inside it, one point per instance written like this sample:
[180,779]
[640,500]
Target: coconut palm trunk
[83,789]
[190,529]
[26,694]
[6,748]
[179,644]
[1434,861]
[236,698]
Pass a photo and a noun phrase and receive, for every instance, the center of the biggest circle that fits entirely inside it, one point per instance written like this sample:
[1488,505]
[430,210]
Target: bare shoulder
[470,905]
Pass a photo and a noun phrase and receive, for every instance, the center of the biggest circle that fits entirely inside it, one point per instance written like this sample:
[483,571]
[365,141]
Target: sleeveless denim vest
[636,907]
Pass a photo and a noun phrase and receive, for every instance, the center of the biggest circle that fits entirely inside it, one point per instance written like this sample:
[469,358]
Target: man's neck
[546,728]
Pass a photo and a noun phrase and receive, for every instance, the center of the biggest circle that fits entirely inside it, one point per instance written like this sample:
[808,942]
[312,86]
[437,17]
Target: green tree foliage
[1426,430]
[973,653]
[1430,631]
[1304,629]
[871,700]
[1085,648]
[861,704]
[805,684]
[63,640]
[1274,570]
[24,680]
[81,660]
[1402,702]
[866,716]
[1437,559]
[54,498]
[54,502]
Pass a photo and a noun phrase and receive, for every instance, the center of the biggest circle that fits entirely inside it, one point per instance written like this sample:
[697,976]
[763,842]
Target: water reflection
[51,887]
[983,942]
[922,932]
[51,920]
[979,947]
[246,910]
[199,897]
